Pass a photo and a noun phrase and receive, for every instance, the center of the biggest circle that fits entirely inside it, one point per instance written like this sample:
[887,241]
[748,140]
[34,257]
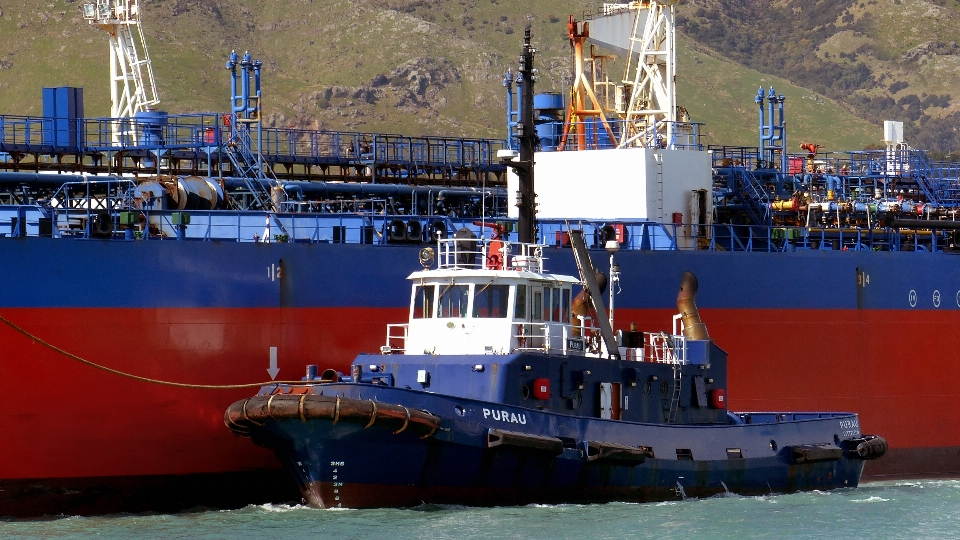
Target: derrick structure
[651,70]
[641,110]
[132,86]
[587,92]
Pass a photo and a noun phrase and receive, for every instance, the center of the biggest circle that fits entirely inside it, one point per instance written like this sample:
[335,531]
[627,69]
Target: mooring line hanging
[138,377]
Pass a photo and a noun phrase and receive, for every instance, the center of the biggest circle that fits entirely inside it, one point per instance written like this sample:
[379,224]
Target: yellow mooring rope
[138,377]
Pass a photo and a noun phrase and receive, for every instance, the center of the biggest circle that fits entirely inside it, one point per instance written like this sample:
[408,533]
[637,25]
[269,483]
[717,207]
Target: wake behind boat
[502,389]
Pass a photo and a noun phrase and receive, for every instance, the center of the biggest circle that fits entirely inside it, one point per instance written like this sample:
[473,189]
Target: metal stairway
[257,174]
[938,181]
[750,192]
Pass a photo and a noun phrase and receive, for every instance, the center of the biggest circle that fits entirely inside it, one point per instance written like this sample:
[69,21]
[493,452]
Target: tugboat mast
[527,134]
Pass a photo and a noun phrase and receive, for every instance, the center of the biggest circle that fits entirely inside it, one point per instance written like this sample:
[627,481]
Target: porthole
[646,387]
[577,400]
[663,387]
[773,445]
[524,391]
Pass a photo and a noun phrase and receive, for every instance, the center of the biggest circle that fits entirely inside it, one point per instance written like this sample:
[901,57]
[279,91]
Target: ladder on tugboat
[675,399]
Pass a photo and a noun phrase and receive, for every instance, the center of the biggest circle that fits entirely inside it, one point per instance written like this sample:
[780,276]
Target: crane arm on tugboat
[588,275]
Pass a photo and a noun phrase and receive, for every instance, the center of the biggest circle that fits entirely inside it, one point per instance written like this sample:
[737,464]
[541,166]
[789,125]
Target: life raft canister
[495,255]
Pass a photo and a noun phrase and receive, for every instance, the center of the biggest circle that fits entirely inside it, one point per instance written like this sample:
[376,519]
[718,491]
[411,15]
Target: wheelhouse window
[546,304]
[555,309]
[565,314]
[453,301]
[520,309]
[423,301]
[490,301]
[537,309]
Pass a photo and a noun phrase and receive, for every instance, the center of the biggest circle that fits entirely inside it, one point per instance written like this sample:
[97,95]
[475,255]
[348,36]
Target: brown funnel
[581,302]
[687,305]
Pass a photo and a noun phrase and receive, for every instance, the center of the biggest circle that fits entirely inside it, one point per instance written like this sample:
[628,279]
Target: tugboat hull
[470,456]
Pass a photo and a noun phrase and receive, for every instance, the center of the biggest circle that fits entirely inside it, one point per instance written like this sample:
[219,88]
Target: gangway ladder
[751,193]
[675,399]
[251,166]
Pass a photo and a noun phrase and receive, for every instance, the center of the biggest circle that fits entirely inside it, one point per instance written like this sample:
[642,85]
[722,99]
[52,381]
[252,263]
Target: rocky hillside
[436,66]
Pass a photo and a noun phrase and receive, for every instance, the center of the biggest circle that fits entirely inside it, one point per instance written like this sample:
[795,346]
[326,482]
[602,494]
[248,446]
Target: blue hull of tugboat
[347,465]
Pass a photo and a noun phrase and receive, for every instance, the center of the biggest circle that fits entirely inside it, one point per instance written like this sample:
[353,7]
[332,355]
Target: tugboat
[503,389]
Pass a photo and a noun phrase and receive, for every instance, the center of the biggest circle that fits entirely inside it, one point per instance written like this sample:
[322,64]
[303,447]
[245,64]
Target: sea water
[903,509]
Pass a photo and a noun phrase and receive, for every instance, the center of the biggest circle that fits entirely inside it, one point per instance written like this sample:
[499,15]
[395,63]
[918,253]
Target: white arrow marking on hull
[273,369]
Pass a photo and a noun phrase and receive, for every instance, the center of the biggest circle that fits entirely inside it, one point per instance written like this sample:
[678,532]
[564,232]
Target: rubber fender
[397,231]
[438,231]
[867,447]
[102,226]
[500,437]
[604,234]
[414,231]
[330,375]
[812,453]
[466,247]
[616,453]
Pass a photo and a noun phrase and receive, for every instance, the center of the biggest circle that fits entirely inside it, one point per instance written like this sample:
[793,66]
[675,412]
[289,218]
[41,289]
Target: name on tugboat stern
[504,416]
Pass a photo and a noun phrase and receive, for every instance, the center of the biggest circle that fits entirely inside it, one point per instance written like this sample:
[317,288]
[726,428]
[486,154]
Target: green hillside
[435,66]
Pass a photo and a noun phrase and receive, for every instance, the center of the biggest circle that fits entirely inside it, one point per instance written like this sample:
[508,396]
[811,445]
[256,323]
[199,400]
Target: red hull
[73,421]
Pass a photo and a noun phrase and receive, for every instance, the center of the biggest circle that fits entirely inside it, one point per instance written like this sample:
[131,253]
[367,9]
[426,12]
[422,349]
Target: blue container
[63,107]
[550,100]
[550,134]
[150,127]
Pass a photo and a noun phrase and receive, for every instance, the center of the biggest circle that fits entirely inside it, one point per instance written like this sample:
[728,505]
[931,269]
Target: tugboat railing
[665,348]
[396,339]
[544,337]
[476,254]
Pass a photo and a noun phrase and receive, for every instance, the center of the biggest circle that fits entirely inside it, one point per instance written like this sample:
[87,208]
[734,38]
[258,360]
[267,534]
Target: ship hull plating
[840,330]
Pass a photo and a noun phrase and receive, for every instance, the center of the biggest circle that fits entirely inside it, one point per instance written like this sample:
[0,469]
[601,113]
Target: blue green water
[914,509]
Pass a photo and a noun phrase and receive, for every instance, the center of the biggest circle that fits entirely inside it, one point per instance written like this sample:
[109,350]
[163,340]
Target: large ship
[160,267]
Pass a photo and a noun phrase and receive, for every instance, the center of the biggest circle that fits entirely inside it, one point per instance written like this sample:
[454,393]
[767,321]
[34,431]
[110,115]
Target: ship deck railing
[663,348]
[478,254]
[555,336]
[397,335]
[205,136]
[69,213]
[853,172]
[592,135]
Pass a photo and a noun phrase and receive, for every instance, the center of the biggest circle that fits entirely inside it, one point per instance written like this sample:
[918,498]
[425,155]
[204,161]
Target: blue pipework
[243,106]
[773,138]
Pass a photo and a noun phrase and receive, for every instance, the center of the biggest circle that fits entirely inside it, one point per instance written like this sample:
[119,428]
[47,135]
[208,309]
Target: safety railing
[475,253]
[209,131]
[547,336]
[396,339]
[664,348]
